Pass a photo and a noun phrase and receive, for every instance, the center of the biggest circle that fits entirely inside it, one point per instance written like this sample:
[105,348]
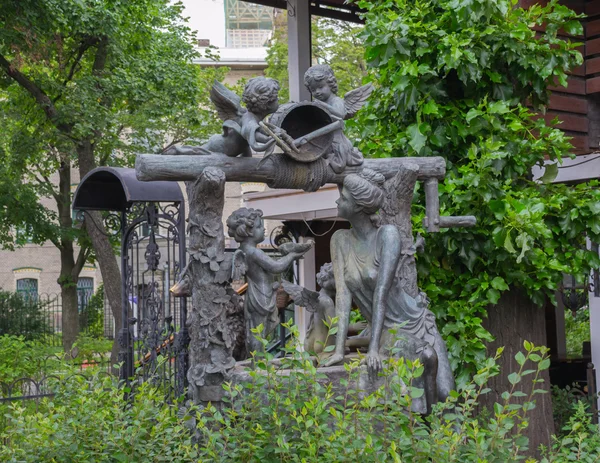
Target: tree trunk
[105,254]
[69,272]
[70,315]
[513,320]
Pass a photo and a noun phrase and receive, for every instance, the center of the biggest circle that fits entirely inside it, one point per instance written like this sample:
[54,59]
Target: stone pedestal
[359,381]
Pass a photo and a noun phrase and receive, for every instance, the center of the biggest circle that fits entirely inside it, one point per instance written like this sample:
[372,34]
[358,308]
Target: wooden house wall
[577,106]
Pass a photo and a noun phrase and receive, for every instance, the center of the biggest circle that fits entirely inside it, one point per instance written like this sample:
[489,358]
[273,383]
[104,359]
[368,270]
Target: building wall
[38,262]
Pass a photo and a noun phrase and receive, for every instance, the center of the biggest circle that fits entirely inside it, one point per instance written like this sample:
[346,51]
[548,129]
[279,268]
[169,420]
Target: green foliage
[91,318]
[86,83]
[20,358]
[453,80]
[115,78]
[581,441]
[577,331]
[21,315]
[334,42]
[289,412]
[89,348]
[87,422]
[295,416]
[565,403]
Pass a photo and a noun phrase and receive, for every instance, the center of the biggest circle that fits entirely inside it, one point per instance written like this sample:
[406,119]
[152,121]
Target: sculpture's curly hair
[259,93]
[318,73]
[325,272]
[241,223]
[366,188]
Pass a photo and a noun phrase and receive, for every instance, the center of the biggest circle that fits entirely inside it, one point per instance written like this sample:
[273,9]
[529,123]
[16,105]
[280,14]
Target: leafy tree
[464,80]
[87,83]
[334,42]
[577,330]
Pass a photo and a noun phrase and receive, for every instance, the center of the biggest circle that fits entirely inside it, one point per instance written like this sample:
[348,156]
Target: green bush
[20,358]
[92,349]
[577,330]
[465,81]
[87,422]
[581,441]
[566,402]
[91,318]
[22,316]
[292,417]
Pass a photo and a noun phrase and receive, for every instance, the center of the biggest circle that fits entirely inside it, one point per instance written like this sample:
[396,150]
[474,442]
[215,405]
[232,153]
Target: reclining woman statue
[365,259]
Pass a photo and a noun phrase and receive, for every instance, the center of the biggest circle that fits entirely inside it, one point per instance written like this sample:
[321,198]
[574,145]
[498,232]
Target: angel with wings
[322,84]
[241,126]
[322,308]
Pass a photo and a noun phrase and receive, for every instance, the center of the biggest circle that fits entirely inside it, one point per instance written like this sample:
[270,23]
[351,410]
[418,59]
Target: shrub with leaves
[580,442]
[22,316]
[20,358]
[577,330]
[464,80]
[91,317]
[565,403]
[289,412]
[88,421]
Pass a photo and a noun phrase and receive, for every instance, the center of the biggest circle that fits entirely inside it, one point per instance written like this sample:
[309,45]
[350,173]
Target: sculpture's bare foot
[186,150]
[333,360]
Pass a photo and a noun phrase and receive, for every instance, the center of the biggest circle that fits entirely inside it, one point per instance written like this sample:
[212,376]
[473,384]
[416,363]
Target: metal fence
[52,371]
[39,317]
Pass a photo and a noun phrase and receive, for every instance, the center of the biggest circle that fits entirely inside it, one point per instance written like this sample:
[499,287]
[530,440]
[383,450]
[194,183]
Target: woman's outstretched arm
[389,240]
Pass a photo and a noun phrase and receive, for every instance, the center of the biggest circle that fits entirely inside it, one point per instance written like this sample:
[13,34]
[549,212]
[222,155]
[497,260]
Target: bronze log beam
[152,167]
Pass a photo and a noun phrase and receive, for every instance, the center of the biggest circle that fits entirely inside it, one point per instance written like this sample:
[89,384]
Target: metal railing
[39,317]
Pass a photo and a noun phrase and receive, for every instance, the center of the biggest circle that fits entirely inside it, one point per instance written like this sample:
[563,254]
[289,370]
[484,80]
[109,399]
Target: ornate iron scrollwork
[153,256]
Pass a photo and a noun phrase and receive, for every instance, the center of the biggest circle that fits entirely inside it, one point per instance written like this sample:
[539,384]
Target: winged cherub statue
[322,308]
[322,84]
[246,226]
[241,126]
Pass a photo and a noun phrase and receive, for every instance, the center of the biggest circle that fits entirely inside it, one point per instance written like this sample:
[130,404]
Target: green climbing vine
[467,80]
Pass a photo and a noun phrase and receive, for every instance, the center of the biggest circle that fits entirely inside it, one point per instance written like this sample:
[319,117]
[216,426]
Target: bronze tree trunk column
[215,320]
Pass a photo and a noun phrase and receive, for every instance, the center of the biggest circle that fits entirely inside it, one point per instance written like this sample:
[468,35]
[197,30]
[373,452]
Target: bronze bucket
[304,119]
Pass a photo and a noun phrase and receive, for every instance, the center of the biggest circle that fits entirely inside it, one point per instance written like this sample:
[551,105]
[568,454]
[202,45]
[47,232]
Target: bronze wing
[238,265]
[227,103]
[355,99]
[301,296]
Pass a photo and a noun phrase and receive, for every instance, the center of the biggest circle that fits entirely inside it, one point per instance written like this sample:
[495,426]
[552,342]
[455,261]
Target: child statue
[322,85]
[322,308]
[246,226]
[241,126]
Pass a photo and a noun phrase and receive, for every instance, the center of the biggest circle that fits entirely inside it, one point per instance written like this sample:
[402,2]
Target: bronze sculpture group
[369,260]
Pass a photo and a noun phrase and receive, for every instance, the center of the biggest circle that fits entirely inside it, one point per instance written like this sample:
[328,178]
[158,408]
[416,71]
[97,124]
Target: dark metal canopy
[336,9]
[116,188]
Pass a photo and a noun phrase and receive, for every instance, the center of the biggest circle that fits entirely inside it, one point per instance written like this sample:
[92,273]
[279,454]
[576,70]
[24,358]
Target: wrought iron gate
[155,338]
[150,217]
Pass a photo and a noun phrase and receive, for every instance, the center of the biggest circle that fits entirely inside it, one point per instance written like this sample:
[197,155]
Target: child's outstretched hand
[295,248]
